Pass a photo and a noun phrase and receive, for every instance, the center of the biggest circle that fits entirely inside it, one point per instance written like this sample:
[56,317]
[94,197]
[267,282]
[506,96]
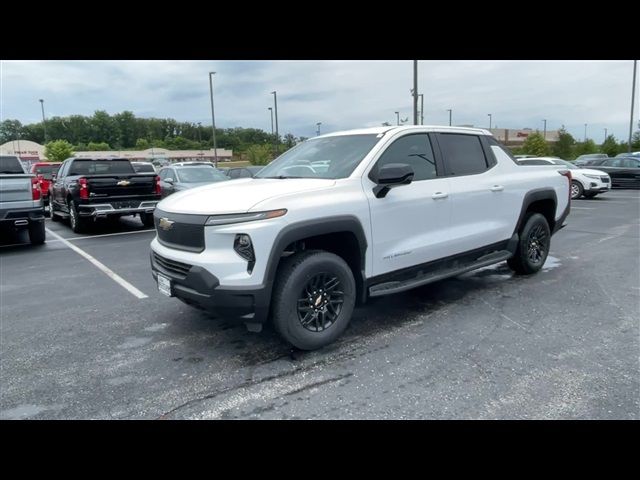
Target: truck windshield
[10,165]
[328,157]
[100,167]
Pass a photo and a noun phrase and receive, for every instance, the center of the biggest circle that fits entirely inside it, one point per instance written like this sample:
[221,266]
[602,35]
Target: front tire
[533,245]
[313,299]
[576,189]
[37,234]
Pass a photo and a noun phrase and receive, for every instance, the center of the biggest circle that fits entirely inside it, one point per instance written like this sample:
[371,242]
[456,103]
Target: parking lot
[88,336]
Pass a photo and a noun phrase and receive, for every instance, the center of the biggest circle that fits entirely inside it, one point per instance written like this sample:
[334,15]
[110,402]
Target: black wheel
[37,233]
[147,219]
[78,225]
[313,299]
[533,246]
[590,194]
[576,189]
[54,217]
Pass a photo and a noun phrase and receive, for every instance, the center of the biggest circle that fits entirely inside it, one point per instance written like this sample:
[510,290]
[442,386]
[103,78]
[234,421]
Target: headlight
[244,217]
[596,177]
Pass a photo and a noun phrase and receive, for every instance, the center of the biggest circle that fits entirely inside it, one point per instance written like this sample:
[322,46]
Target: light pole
[199,132]
[545,129]
[213,120]
[585,132]
[490,119]
[449,110]
[318,131]
[415,92]
[421,95]
[275,104]
[633,96]
[44,122]
[605,134]
[397,118]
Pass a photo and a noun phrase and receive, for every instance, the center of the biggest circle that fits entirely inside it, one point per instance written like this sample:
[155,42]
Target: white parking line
[110,273]
[107,235]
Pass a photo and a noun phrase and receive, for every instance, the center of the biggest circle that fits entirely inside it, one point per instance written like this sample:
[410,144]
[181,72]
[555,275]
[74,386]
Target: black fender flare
[534,196]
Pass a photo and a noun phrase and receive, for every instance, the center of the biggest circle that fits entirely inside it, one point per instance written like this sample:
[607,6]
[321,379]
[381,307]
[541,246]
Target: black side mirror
[53,177]
[392,175]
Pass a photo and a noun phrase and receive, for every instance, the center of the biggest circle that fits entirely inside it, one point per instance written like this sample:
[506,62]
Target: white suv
[351,215]
[585,181]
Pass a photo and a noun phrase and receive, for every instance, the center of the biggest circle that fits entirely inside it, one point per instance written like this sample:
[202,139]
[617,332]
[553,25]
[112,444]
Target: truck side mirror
[392,175]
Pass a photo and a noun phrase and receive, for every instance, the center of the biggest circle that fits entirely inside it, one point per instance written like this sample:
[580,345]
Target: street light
[633,96]
[421,95]
[199,132]
[275,104]
[449,110]
[585,132]
[397,118]
[415,92]
[489,115]
[605,134]
[318,125]
[44,122]
[545,129]
[213,120]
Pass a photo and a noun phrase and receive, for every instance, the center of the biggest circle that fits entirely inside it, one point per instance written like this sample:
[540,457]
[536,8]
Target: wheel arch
[541,200]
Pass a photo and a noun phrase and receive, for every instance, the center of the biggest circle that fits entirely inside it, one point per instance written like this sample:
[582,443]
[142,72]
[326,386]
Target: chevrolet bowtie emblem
[123,183]
[165,224]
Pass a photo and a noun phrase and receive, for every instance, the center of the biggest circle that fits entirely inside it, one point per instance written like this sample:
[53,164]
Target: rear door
[480,212]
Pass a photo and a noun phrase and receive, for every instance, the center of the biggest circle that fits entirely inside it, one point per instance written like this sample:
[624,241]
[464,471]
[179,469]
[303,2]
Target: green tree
[98,146]
[583,148]
[259,154]
[610,146]
[535,145]
[58,150]
[142,144]
[10,130]
[289,140]
[126,124]
[563,148]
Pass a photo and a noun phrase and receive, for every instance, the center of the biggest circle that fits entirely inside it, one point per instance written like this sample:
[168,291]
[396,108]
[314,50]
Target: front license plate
[164,285]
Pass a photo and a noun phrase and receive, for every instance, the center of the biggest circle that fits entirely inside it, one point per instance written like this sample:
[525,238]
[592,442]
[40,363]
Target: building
[514,138]
[32,152]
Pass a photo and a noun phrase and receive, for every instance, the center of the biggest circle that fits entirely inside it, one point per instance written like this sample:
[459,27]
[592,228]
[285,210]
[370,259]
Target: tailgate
[120,185]
[15,188]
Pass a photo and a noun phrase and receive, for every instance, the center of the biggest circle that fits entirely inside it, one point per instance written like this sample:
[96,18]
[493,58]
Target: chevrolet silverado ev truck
[351,215]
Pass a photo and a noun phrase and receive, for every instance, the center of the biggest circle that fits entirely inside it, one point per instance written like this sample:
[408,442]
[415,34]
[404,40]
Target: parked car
[88,189]
[192,164]
[182,177]
[44,172]
[143,167]
[586,159]
[624,171]
[398,207]
[584,181]
[632,154]
[241,172]
[21,203]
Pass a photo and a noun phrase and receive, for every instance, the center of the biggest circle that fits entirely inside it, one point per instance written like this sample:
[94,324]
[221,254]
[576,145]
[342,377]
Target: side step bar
[388,288]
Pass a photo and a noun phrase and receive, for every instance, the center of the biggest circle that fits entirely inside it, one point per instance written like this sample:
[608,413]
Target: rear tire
[37,233]
[533,245]
[54,217]
[147,219]
[78,225]
[313,299]
[576,189]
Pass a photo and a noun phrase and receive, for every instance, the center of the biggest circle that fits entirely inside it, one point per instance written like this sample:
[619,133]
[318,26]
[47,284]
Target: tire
[78,225]
[590,194]
[576,189]
[147,219]
[37,234]
[537,235]
[54,218]
[298,277]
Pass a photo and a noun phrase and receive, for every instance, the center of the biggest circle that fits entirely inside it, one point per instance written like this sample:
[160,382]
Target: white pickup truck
[20,200]
[352,215]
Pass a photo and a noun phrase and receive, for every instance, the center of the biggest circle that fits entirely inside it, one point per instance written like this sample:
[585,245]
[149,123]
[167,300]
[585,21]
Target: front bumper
[199,288]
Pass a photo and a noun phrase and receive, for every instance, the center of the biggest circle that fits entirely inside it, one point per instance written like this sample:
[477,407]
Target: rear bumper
[201,289]
[102,210]
[21,218]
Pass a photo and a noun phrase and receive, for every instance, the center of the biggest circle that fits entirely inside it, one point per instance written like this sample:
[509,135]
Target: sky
[339,94]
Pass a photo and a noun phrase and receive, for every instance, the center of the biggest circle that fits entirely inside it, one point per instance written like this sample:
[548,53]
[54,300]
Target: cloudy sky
[340,94]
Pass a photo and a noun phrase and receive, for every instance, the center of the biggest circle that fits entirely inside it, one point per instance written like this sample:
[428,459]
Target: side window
[244,173]
[63,170]
[234,173]
[462,154]
[163,174]
[414,150]
[630,163]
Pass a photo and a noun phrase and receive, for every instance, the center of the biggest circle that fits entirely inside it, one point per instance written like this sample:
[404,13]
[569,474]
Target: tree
[289,140]
[10,130]
[563,148]
[142,144]
[98,146]
[586,147]
[535,145]
[610,146]
[58,150]
[259,154]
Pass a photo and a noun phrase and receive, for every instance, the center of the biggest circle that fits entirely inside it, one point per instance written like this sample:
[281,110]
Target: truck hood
[238,196]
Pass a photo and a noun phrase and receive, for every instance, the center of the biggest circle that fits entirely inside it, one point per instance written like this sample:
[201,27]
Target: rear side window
[414,150]
[100,167]
[10,165]
[463,154]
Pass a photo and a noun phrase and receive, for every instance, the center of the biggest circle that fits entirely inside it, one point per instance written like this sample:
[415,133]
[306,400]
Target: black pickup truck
[87,189]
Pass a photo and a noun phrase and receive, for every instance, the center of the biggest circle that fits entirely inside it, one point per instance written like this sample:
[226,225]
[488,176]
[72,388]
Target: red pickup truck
[44,171]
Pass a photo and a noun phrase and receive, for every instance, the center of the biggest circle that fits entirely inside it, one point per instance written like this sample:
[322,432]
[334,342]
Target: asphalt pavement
[562,344]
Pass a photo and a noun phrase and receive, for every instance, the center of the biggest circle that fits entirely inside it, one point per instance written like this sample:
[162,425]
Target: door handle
[497,188]
[438,195]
